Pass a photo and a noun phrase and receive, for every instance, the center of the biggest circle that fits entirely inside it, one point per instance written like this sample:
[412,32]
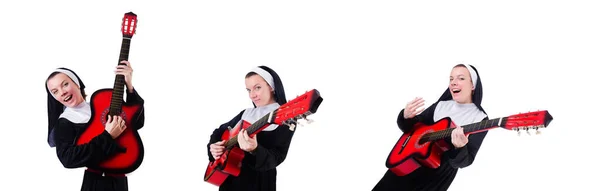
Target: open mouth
[68,98]
[455,91]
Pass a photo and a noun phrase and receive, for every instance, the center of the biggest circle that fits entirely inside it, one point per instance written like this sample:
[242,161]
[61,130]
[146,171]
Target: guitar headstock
[528,121]
[129,24]
[298,108]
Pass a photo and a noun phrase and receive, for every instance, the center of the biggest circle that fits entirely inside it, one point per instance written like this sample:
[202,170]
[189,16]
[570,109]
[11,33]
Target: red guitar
[424,145]
[106,102]
[231,161]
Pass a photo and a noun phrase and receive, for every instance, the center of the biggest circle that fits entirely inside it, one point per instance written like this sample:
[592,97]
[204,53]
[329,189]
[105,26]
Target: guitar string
[262,121]
[259,123]
[118,89]
[467,128]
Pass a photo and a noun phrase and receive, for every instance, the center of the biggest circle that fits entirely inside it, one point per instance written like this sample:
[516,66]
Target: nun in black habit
[268,148]
[462,103]
[68,115]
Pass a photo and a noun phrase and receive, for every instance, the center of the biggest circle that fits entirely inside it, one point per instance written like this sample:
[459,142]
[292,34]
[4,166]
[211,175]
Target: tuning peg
[290,124]
[292,127]
[309,121]
[537,130]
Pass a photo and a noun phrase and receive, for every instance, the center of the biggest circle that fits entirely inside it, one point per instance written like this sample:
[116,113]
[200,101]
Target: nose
[62,92]
[252,94]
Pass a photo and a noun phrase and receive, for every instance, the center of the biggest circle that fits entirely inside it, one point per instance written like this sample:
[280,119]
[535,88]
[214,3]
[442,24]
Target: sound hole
[104,116]
[417,145]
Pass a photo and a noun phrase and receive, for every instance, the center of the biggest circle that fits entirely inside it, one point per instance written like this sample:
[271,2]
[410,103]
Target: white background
[367,58]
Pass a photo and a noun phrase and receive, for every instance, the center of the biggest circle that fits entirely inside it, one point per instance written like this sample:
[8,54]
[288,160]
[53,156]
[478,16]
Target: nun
[265,151]
[68,115]
[462,103]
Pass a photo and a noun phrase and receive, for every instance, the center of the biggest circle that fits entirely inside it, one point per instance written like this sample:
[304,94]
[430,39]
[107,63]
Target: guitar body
[408,154]
[230,163]
[121,162]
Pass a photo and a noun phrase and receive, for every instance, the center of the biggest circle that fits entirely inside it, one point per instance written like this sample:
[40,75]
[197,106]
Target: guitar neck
[467,129]
[119,85]
[252,129]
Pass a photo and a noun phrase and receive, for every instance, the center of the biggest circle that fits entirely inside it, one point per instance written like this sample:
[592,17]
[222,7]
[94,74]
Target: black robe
[426,179]
[258,172]
[92,153]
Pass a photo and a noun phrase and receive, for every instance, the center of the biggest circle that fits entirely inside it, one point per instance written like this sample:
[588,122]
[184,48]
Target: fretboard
[116,100]
[474,127]
[252,129]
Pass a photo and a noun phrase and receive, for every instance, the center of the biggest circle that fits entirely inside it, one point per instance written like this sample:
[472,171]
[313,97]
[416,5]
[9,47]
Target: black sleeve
[263,159]
[139,118]
[218,132]
[464,156]
[424,117]
[72,155]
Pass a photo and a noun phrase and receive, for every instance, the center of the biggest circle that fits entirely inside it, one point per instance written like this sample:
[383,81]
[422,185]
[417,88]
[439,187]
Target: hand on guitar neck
[246,142]
[458,137]
[126,71]
[415,107]
[115,125]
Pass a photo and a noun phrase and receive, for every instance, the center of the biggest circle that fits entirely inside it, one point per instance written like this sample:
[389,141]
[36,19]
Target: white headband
[265,75]
[473,75]
[70,75]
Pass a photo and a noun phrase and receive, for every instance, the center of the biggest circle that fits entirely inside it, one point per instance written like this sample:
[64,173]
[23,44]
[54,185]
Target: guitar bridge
[406,141]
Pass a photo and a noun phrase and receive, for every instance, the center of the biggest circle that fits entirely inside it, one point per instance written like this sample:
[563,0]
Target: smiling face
[259,91]
[65,90]
[461,85]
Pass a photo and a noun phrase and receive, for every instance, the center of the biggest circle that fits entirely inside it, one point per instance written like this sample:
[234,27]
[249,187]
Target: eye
[65,84]
[54,92]
[462,78]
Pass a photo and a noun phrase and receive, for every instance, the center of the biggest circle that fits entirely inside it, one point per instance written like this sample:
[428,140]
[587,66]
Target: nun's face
[461,85]
[65,90]
[259,91]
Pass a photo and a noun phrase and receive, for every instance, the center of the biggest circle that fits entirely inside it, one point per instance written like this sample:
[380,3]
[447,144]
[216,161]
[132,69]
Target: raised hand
[414,108]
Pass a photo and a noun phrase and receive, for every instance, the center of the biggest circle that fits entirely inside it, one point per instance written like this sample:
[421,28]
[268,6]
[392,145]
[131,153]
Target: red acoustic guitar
[106,102]
[425,144]
[231,161]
